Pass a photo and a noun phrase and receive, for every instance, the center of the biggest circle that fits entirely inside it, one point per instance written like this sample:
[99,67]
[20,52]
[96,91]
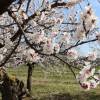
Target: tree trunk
[29,77]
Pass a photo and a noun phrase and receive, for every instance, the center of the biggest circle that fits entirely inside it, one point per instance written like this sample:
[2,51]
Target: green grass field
[51,84]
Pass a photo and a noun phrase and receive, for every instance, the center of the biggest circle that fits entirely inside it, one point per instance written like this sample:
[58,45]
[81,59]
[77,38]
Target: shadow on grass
[67,96]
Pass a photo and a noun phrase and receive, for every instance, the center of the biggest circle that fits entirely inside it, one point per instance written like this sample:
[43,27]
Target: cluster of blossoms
[65,38]
[38,37]
[31,56]
[87,77]
[50,48]
[53,20]
[92,56]
[72,54]
[89,18]
[88,23]
[54,33]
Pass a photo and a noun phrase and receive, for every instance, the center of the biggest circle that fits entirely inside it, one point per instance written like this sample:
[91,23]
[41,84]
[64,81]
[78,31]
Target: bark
[4,4]
[7,91]
[29,77]
[12,89]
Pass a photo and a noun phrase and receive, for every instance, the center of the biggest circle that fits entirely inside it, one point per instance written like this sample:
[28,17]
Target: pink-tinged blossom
[38,37]
[43,17]
[84,78]
[86,72]
[56,48]
[92,56]
[90,84]
[80,35]
[54,33]
[44,39]
[65,38]
[85,85]
[53,20]
[89,18]
[60,20]
[88,22]
[32,56]
[48,47]
[72,54]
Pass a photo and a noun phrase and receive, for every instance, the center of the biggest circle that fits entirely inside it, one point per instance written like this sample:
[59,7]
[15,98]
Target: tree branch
[4,4]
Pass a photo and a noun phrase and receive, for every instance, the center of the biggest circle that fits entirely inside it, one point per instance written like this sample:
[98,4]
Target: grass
[53,84]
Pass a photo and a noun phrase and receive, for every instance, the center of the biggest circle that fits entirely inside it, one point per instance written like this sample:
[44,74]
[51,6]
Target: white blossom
[31,56]
[38,37]
[56,48]
[65,38]
[1,57]
[72,54]
[43,17]
[92,56]
[48,48]
[93,83]
[89,18]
